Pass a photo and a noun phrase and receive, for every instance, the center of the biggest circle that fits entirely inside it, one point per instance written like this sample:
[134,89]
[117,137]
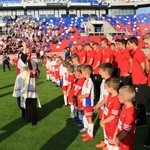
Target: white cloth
[103,92]
[22,80]
[88,88]
[65,76]
[25,86]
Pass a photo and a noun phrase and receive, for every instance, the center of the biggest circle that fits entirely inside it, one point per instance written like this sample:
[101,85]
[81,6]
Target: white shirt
[64,76]
[53,63]
[103,92]
[88,88]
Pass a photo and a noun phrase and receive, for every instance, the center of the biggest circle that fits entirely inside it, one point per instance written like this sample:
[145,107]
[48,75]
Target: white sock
[65,99]
[72,109]
[85,122]
[58,82]
[90,129]
[50,77]
[105,140]
[47,76]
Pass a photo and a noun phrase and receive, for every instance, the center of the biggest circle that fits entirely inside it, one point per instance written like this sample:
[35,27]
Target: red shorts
[79,103]
[110,130]
[50,72]
[47,71]
[126,147]
[88,111]
[64,88]
[70,99]
[100,114]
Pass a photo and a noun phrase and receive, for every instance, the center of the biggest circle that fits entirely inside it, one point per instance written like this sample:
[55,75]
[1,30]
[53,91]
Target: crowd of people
[33,33]
[115,75]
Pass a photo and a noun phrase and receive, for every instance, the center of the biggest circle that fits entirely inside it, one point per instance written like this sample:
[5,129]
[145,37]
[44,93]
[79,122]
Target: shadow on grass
[17,124]
[63,138]
[11,128]
[7,86]
[5,94]
[40,82]
[50,107]
[96,124]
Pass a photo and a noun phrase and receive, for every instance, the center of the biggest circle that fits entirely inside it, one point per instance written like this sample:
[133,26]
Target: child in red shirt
[57,73]
[125,132]
[77,91]
[111,112]
[70,89]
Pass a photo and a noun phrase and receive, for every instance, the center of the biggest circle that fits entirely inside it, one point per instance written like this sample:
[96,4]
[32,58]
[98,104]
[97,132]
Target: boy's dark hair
[113,83]
[123,42]
[133,40]
[95,44]
[88,68]
[79,68]
[70,68]
[65,63]
[105,40]
[117,40]
[107,67]
[68,59]
[112,44]
[75,56]
[146,36]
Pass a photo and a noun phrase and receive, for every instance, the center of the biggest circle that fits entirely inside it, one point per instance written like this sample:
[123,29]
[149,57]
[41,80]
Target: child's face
[78,74]
[121,98]
[109,90]
[84,74]
[103,73]
[73,61]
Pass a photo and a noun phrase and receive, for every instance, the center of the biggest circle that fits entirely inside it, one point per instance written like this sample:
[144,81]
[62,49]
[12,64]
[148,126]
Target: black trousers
[97,80]
[140,102]
[116,73]
[31,110]
[4,64]
[125,80]
[23,115]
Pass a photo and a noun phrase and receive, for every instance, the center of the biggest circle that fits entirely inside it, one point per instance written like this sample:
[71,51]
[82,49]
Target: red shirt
[112,107]
[82,54]
[107,53]
[71,79]
[90,54]
[78,87]
[75,51]
[115,62]
[138,74]
[127,123]
[149,75]
[123,61]
[97,57]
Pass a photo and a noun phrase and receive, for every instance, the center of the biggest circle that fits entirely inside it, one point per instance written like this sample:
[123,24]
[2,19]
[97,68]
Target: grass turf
[54,130]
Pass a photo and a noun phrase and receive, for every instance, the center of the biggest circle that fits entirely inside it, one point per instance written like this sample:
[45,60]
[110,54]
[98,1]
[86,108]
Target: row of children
[80,89]
[80,93]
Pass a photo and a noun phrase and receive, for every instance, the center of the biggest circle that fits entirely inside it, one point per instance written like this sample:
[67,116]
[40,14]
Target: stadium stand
[66,30]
